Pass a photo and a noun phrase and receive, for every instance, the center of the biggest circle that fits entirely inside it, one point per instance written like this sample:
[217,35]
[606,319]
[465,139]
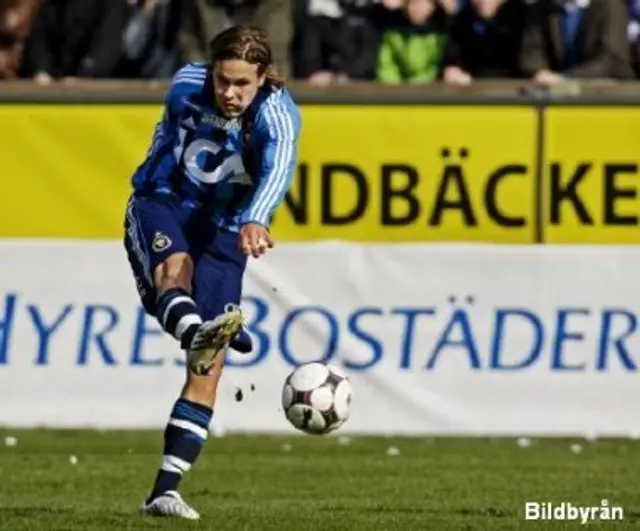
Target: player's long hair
[250,44]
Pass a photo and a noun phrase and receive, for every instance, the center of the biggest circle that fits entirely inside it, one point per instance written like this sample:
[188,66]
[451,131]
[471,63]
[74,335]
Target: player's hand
[254,240]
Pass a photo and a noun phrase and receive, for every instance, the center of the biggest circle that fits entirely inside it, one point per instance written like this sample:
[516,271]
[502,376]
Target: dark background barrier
[482,92]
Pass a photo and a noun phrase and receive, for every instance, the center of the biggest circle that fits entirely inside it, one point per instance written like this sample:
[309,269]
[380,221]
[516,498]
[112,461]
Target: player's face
[236,83]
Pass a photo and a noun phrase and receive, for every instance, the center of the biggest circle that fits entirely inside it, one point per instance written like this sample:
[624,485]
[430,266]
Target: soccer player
[221,161]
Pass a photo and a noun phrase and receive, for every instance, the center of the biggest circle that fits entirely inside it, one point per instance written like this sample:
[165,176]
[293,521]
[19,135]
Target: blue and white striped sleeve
[277,130]
[163,126]
[190,78]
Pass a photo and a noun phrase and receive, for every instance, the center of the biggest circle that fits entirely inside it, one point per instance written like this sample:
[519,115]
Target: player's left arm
[276,131]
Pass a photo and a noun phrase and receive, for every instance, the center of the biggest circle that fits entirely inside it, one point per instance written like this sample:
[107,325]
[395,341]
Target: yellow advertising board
[66,168]
[405,173]
[366,173]
[591,185]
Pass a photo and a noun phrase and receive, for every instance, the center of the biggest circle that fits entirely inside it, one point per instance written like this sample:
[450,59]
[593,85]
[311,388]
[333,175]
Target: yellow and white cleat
[212,337]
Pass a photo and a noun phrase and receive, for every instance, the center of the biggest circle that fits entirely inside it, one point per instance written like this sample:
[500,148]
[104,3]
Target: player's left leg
[217,283]
[217,287]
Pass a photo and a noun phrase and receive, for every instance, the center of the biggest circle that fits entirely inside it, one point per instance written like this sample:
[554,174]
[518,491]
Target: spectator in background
[337,40]
[451,7]
[412,51]
[362,26]
[634,35]
[576,39]
[203,19]
[76,39]
[149,45]
[320,51]
[16,20]
[484,41]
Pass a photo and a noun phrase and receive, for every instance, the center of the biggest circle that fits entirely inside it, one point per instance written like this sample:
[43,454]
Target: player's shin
[178,315]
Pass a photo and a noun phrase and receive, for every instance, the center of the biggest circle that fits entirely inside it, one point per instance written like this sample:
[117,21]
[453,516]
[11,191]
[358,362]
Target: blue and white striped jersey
[239,168]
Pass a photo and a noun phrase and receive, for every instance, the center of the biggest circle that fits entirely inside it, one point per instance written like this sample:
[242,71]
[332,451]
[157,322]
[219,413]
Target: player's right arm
[190,78]
[185,79]
[162,162]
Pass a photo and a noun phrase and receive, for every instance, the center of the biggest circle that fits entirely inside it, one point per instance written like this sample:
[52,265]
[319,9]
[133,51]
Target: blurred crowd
[328,41]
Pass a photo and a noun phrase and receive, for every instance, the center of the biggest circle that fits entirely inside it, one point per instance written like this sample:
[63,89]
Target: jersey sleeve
[186,80]
[277,130]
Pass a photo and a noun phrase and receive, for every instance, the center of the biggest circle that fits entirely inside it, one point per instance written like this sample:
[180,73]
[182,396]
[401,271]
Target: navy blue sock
[178,315]
[184,436]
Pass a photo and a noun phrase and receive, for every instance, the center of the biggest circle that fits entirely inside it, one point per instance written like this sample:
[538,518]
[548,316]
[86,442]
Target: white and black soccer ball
[316,398]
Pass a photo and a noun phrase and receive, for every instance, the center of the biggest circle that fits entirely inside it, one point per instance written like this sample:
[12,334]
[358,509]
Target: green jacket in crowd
[411,54]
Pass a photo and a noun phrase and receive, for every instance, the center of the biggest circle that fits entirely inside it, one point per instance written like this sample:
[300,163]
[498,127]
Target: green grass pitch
[262,483]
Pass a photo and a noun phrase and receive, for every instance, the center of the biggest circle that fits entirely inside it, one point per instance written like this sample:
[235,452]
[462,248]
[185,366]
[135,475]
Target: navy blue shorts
[157,227]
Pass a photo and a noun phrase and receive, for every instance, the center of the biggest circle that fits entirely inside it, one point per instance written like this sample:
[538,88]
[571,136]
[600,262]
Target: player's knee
[175,271]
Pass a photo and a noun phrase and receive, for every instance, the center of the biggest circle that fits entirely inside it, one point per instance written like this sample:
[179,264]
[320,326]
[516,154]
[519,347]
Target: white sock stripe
[189,426]
[176,300]
[167,467]
[171,461]
[186,322]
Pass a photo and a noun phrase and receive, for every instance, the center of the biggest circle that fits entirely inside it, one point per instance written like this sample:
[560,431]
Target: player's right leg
[158,253]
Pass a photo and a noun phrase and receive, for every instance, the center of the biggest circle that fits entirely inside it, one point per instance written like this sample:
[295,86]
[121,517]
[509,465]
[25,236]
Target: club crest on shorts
[160,242]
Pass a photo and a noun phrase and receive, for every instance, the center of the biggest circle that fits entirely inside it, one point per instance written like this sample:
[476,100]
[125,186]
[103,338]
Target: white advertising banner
[437,339]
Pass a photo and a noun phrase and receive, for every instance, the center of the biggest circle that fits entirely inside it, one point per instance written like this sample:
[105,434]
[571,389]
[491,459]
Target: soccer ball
[316,398]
